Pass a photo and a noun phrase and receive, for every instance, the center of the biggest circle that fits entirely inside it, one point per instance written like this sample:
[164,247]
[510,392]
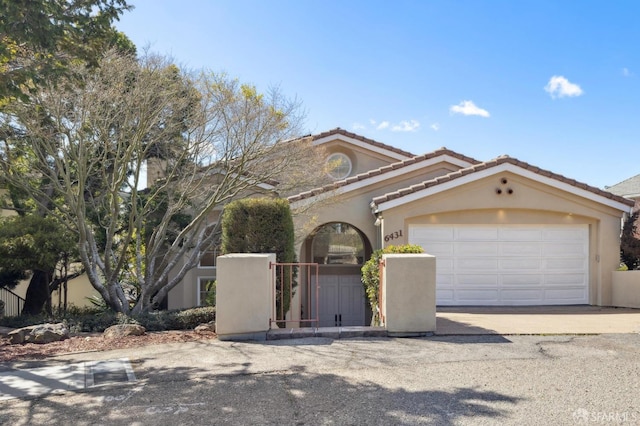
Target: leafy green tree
[40,43]
[40,39]
[36,244]
[371,274]
[79,152]
[10,278]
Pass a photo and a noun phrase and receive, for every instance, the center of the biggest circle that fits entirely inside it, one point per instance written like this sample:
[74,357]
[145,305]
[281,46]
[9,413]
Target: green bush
[262,225]
[93,320]
[371,274]
[630,244]
[22,321]
[190,318]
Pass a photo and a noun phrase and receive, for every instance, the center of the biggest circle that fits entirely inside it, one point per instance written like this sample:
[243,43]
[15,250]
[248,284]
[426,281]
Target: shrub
[92,320]
[630,244]
[261,225]
[371,274]
[190,318]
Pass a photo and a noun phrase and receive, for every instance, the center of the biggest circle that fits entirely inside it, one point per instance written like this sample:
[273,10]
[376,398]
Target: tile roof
[339,131]
[380,171]
[493,163]
[627,187]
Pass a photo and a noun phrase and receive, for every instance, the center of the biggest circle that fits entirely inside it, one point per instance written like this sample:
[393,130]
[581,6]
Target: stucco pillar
[409,294]
[243,296]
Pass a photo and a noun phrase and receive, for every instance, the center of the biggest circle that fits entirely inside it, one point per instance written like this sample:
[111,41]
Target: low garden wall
[625,289]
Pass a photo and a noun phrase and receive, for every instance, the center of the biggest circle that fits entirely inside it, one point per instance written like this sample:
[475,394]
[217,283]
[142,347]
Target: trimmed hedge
[261,225]
[97,320]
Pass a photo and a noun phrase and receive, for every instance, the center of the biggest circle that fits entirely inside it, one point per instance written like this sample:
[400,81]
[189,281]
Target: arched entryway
[340,249]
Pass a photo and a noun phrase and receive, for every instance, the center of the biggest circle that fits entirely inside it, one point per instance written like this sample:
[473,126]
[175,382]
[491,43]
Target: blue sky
[552,83]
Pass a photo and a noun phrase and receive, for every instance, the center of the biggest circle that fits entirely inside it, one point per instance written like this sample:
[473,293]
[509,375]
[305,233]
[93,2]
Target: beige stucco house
[504,232]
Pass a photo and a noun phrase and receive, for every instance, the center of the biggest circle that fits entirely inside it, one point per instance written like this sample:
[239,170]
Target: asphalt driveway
[465,379]
[441,380]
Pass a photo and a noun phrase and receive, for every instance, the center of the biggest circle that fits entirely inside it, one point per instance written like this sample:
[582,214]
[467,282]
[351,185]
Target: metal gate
[294,287]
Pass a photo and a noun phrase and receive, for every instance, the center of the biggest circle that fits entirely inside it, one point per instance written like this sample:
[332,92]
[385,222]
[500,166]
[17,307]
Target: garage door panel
[440,248]
[518,280]
[440,233]
[508,264]
[444,280]
[520,234]
[476,264]
[476,296]
[476,234]
[445,296]
[565,264]
[527,295]
[563,249]
[477,280]
[528,248]
[444,265]
[564,279]
[568,295]
[473,248]
[527,264]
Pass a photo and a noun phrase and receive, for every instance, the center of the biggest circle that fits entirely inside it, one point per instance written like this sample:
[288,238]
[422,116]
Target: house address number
[393,235]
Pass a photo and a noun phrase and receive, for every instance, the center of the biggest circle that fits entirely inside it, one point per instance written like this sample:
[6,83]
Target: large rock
[206,327]
[122,330]
[41,333]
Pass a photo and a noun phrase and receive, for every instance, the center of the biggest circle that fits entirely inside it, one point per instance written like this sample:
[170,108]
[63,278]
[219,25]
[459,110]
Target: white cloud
[372,121]
[383,125]
[560,87]
[406,126]
[469,108]
[435,127]
[358,126]
[626,72]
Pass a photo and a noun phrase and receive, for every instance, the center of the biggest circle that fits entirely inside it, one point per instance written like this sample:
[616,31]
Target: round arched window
[338,165]
[338,244]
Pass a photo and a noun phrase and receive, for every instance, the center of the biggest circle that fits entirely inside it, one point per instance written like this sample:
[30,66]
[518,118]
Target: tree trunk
[37,294]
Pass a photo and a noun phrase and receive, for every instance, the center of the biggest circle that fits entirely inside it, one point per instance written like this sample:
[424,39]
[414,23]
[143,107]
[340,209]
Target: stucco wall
[78,291]
[626,289]
[530,203]
[409,293]
[244,296]
[354,207]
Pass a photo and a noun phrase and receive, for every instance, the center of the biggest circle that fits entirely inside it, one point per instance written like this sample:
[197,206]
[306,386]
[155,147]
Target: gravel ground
[88,342]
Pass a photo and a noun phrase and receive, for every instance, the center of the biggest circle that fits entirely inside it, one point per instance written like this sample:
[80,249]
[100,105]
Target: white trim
[381,177]
[361,144]
[505,167]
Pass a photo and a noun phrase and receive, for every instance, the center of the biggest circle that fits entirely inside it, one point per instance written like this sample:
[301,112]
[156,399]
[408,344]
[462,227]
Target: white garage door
[507,264]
